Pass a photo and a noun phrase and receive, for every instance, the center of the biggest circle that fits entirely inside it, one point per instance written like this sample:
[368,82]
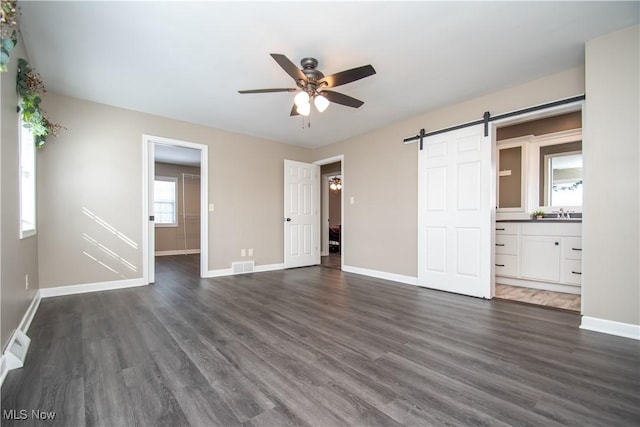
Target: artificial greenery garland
[30,88]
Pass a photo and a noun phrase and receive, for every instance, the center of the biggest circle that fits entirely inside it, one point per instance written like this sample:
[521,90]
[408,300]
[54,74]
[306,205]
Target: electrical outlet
[250,251]
[26,282]
[243,252]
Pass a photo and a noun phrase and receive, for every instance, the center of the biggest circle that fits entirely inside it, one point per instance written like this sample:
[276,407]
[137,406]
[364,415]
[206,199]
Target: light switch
[352,200]
[210,207]
[243,252]
[250,252]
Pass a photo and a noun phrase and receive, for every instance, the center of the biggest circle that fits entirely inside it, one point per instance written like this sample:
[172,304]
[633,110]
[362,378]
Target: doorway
[538,258]
[175,203]
[332,218]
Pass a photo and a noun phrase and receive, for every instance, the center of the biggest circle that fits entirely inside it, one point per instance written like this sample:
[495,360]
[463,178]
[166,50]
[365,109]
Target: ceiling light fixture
[335,183]
[303,109]
[320,102]
[303,99]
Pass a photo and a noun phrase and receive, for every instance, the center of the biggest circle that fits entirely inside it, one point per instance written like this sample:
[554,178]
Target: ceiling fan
[312,85]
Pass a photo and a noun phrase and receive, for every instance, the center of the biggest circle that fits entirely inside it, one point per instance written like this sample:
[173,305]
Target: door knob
[288,219]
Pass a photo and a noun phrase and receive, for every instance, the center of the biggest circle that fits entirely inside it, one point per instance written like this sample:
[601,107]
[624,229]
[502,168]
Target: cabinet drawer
[506,228]
[572,271]
[572,248]
[506,265]
[506,244]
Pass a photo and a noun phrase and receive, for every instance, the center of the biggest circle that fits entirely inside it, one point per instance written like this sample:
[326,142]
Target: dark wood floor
[315,346]
[333,260]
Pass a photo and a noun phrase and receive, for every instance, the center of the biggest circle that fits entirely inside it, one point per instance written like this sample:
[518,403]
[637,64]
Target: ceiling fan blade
[348,76]
[284,89]
[341,98]
[294,111]
[289,67]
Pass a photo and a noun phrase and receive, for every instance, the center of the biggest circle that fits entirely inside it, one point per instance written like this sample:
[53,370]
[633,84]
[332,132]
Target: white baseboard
[178,252]
[611,327]
[409,280]
[91,287]
[23,327]
[268,267]
[257,269]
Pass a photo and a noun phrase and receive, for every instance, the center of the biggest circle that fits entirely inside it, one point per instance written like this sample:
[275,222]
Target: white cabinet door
[454,212]
[301,214]
[540,258]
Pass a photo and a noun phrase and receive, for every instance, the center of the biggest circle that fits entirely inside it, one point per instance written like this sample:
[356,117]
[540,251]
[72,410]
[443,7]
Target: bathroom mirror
[561,175]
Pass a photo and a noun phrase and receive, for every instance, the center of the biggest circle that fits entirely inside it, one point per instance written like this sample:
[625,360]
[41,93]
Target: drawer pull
[500,229]
[576,249]
[576,272]
[499,244]
[502,265]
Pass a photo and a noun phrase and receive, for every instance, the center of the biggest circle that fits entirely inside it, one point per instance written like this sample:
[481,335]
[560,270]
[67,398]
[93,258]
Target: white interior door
[301,214]
[455,212]
[151,225]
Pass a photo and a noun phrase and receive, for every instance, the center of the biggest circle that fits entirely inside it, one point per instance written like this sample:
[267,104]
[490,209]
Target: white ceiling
[187,60]
[176,155]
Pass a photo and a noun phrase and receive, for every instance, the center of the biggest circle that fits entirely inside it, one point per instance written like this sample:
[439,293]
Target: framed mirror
[561,176]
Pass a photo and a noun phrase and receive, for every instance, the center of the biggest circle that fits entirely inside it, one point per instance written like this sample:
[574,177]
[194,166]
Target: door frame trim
[326,161]
[148,165]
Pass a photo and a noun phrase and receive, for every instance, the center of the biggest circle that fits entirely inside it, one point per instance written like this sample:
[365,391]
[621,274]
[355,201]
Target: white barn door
[455,212]
[301,214]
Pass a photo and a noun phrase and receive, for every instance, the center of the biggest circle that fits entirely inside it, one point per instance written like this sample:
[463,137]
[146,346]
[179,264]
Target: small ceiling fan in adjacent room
[312,85]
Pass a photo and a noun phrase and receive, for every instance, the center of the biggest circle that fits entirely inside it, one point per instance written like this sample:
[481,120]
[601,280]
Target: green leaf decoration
[7,44]
[29,86]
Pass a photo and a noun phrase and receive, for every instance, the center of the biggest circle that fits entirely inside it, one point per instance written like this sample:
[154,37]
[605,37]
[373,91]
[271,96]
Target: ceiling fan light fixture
[301,98]
[335,183]
[320,102]
[303,109]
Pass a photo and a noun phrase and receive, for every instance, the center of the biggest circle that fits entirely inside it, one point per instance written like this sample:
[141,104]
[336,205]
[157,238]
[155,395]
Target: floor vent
[242,267]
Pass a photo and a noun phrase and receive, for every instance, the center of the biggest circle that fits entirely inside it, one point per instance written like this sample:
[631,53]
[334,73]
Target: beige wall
[18,257]
[543,126]
[92,175]
[391,204]
[173,238]
[611,288]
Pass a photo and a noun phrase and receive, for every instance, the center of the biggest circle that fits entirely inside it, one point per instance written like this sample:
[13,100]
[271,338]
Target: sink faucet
[562,214]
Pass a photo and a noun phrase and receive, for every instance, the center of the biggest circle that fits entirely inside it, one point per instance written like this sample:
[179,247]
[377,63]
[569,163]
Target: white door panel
[454,217]
[302,214]
[151,225]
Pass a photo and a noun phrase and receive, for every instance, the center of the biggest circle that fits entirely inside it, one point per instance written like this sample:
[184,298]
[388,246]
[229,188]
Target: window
[165,196]
[27,182]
